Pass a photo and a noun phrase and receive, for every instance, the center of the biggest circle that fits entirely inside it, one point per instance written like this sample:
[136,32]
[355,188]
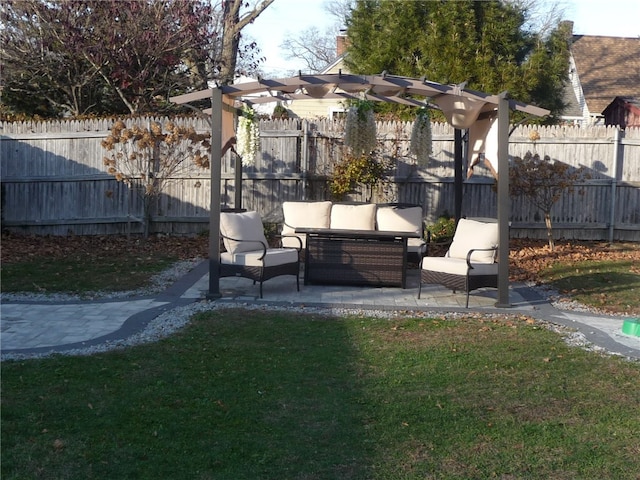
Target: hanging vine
[248,136]
[420,144]
[360,128]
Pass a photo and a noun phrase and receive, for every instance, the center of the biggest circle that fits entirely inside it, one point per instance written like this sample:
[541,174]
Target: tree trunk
[547,222]
[230,41]
[232,26]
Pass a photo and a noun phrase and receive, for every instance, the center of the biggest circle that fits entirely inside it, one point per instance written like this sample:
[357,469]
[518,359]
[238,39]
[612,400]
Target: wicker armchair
[248,254]
[470,262]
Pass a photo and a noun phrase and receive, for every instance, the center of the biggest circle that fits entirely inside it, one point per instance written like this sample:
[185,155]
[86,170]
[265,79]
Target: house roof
[607,67]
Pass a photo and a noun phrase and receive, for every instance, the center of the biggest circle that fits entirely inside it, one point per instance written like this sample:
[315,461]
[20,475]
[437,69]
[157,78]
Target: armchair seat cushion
[273,257]
[458,266]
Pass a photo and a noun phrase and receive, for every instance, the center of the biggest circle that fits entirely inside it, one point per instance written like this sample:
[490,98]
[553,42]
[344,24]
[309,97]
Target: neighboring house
[323,107]
[623,111]
[600,70]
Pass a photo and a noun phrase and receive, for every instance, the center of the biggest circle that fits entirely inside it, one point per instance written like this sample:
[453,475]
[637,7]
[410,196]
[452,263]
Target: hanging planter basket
[420,144]
[360,128]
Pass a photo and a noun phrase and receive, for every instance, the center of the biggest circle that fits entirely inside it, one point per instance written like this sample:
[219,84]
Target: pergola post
[457,167]
[237,204]
[504,202]
[214,206]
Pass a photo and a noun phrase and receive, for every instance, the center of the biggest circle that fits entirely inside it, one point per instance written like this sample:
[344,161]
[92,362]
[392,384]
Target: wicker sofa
[355,216]
[355,244]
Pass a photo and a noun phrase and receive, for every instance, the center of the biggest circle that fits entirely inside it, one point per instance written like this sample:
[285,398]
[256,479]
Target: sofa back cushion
[242,226]
[353,217]
[472,234]
[399,219]
[303,215]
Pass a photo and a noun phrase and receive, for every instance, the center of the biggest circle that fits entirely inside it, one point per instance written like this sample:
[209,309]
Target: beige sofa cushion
[242,226]
[303,214]
[471,234]
[398,219]
[353,217]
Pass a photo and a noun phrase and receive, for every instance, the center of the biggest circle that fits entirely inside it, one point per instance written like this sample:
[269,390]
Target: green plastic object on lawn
[631,327]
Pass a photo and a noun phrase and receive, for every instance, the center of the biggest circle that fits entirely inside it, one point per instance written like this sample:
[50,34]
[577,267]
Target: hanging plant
[420,144]
[248,136]
[360,128]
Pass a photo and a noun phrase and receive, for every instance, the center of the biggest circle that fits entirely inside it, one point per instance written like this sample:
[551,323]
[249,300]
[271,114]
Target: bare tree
[317,49]
[314,49]
[542,17]
[37,76]
[148,158]
[234,21]
[115,56]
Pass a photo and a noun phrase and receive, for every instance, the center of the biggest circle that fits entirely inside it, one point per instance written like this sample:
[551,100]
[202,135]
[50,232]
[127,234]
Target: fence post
[304,161]
[614,183]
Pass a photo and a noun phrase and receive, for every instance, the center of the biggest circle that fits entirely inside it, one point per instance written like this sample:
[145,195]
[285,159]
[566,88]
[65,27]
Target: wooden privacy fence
[54,181]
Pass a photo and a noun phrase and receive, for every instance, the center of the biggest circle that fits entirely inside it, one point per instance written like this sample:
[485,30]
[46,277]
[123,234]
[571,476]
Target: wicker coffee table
[355,257]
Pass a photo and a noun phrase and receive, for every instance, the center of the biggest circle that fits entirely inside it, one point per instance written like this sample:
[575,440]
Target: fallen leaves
[19,248]
[529,257]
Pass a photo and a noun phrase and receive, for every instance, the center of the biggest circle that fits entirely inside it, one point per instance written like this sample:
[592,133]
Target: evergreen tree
[483,43]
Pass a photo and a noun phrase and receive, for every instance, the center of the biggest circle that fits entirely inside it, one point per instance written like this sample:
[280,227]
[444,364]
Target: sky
[616,18]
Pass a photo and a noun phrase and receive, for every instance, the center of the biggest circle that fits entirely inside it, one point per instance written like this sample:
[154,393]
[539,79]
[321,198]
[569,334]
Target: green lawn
[270,395]
[82,274]
[614,285]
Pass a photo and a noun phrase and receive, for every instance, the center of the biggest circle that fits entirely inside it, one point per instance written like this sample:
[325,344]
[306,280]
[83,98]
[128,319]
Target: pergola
[461,107]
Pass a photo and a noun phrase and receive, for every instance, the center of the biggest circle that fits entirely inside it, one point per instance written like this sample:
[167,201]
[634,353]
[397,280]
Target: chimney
[341,43]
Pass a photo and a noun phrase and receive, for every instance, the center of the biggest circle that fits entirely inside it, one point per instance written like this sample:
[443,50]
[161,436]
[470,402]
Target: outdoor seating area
[362,256]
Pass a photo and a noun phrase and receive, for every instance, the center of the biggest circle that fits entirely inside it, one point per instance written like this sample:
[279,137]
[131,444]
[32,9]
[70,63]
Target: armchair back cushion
[471,234]
[246,226]
[303,215]
[353,217]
